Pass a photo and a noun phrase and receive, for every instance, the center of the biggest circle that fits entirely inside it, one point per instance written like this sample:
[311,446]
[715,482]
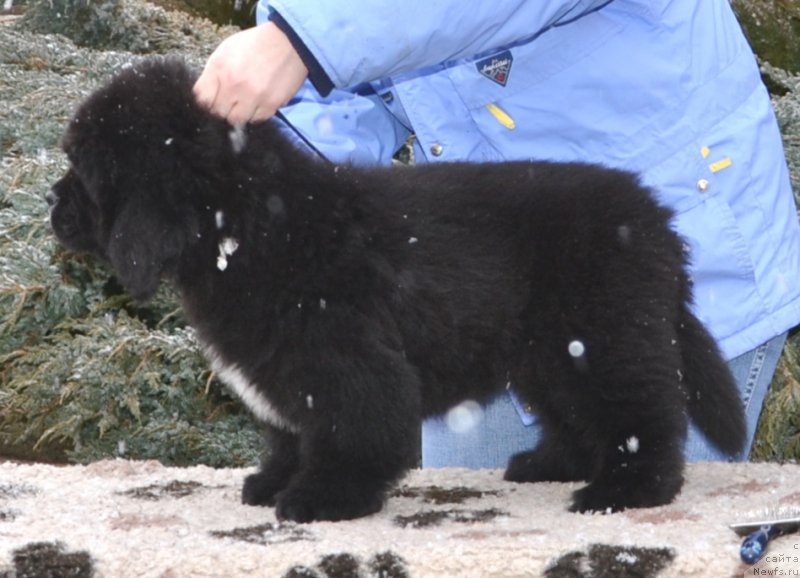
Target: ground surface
[123,519]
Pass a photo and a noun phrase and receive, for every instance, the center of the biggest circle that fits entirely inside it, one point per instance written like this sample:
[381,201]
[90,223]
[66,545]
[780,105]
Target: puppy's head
[142,157]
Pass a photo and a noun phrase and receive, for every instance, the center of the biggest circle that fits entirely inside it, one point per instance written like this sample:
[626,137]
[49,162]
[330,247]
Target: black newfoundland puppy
[343,305]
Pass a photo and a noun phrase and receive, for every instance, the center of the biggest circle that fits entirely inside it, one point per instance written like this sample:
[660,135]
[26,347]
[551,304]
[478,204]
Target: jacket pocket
[721,266]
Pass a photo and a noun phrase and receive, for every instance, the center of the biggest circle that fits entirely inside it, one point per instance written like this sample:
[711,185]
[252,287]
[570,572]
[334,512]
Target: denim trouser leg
[753,372]
[486,437]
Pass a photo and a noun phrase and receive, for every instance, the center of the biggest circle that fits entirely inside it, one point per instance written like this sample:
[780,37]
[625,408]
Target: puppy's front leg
[361,435]
[280,461]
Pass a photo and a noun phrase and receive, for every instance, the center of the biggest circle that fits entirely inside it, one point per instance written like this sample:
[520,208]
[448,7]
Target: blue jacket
[667,88]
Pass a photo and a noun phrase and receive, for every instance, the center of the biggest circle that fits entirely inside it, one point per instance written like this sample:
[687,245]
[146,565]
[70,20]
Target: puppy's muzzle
[52,198]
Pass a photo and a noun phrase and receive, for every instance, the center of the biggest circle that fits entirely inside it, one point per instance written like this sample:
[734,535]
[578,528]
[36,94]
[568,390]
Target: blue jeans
[472,436]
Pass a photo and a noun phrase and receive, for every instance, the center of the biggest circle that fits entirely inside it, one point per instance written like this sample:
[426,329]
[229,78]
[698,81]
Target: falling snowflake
[464,416]
[576,348]
[227,247]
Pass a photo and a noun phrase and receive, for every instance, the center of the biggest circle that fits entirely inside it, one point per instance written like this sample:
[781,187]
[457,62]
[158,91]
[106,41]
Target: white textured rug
[120,519]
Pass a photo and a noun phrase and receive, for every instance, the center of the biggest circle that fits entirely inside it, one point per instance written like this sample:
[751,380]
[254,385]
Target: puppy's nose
[51,198]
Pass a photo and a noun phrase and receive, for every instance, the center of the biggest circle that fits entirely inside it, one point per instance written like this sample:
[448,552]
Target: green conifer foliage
[85,372]
[778,434]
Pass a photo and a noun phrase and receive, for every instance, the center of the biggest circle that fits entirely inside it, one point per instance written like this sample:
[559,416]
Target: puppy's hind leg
[281,460]
[558,457]
[640,437]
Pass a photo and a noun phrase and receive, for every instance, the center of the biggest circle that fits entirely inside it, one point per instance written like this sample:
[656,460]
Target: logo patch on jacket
[497,68]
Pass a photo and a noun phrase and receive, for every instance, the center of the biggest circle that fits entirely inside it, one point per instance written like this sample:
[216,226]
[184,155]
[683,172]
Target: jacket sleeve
[364,40]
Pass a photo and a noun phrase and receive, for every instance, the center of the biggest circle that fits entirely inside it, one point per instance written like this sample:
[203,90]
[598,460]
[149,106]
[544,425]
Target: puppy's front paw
[260,489]
[307,504]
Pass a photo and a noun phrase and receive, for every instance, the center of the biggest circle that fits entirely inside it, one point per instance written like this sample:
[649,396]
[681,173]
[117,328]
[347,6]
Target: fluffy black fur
[360,301]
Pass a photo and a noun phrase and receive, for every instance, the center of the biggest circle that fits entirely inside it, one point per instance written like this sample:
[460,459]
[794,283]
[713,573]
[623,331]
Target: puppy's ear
[144,244]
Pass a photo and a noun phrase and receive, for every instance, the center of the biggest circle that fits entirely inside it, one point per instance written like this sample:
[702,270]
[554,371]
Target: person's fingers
[246,104]
[206,88]
[225,110]
[250,75]
[260,114]
[238,114]
[237,107]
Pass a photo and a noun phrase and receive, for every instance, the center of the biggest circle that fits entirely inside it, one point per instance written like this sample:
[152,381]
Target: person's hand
[251,75]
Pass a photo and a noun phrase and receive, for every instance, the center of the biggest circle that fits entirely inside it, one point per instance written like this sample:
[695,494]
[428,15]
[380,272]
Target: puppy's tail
[713,399]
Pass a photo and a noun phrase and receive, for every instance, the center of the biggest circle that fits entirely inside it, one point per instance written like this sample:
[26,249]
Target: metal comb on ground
[762,527]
